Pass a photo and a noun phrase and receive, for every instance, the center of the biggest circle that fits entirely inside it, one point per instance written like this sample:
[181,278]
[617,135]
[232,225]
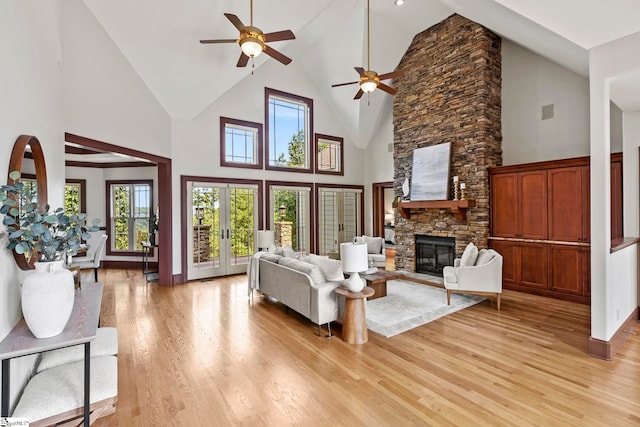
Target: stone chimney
[451,92]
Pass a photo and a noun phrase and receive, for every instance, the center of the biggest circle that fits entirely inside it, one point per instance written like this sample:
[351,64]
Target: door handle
[221,234]
[228,233]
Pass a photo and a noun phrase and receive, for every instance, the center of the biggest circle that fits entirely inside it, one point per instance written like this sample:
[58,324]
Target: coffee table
[378,282]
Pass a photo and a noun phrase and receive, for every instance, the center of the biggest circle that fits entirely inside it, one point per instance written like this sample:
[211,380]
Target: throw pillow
[273,249]
[331,268]
[374,244]
[469,255]
[484,256]
[288,252]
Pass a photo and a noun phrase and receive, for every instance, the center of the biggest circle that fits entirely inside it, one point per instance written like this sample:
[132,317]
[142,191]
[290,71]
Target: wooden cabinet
[523,264]
[518,205]
[540,223]
[567,204]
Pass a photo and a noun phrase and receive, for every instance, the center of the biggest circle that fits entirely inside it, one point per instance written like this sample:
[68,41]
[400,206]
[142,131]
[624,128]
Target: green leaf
[8,220]
[14,175]
[14,212]
[20,248]
[16,234]
[51,219]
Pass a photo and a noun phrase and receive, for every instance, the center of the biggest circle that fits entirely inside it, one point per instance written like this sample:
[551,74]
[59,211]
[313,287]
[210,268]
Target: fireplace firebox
[433,253]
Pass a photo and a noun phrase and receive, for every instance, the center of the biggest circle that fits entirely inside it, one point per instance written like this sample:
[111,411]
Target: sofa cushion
[272,257]
[469,256]
[484,256]
[311,270]
[331,268]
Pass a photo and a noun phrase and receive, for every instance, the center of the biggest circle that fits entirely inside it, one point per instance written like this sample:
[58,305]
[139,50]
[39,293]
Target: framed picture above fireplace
[430,173]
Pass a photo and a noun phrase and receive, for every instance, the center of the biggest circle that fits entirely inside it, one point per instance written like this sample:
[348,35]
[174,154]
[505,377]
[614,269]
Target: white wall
[104,97]
[613,285]
[196,149]
[529,82]
[31,88]
[631,172]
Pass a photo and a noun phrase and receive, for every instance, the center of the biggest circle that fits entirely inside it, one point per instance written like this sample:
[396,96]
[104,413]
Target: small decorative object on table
[49,237]
[354,260]
[455,187]
[463,186]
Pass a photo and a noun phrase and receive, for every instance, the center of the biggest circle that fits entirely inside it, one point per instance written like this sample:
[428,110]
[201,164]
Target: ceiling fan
[369,79]
[253,41]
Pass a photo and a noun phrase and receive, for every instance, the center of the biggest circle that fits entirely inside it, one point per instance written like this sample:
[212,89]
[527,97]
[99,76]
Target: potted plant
[48,237]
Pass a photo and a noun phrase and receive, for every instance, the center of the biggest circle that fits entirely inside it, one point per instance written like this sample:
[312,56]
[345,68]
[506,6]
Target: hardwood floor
[199,354]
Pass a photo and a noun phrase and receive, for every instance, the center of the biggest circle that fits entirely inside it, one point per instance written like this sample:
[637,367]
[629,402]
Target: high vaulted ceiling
[160,40]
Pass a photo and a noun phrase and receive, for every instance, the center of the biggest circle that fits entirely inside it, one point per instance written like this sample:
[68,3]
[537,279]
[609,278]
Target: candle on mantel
[455,178]
[463,185]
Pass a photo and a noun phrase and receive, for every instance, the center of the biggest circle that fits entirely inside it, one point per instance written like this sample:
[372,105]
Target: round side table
[354,324]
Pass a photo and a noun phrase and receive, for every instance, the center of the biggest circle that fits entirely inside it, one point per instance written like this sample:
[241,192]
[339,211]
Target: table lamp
[266,239]
[354,260]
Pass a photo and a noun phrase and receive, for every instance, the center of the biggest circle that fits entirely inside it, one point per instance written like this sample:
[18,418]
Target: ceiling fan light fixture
[368,86]
[251,46]
[398,2]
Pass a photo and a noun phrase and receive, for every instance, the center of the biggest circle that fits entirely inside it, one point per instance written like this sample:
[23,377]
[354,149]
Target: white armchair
[483,278]
[92,260]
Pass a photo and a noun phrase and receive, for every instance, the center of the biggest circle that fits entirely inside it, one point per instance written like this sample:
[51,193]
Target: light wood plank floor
[200,355]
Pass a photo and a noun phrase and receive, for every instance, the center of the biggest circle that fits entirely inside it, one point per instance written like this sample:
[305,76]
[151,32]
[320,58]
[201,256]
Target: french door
[221,219]
[339,217]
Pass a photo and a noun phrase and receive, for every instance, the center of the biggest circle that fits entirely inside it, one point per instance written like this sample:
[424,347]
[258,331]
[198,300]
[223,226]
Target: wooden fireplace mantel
[458,207]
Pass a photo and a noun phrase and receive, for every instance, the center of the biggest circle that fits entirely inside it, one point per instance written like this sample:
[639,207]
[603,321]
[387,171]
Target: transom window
[130,207]
[241,143]
[329,154]
[289,128]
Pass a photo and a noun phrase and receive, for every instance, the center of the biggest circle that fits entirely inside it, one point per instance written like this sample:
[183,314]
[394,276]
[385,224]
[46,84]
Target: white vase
[47,299]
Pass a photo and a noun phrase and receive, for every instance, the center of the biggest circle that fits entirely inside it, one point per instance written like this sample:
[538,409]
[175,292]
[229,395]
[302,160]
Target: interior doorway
[165,263]
[383,214]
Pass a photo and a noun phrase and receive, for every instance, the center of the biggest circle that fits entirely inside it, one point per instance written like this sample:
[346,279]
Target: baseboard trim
[177,279]
[607,350]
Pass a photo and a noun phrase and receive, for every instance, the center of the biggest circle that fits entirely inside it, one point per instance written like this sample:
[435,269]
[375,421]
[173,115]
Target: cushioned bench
[56,393]
[105,344]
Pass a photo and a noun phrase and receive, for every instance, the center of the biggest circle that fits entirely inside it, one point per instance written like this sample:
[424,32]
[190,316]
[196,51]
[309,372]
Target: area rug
[410,304]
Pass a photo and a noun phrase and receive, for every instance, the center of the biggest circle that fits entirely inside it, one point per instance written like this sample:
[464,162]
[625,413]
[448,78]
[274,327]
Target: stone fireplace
[450,93]
[433,253]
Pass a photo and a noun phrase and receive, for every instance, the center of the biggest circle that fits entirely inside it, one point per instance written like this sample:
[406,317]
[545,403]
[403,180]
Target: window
[240,143]
[329,154]
[75,196]
[129,207]
[296,200]
[289,124]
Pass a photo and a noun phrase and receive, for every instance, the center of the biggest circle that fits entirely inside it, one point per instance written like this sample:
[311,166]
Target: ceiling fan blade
[359,70]
[276,55]
[387,89]
[343,84]
[359,94]
[391,75]
[219,41]
[243,60]
[235,21]
[279,36]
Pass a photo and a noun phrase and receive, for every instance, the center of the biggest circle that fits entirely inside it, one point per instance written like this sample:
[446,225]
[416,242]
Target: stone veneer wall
[451,92]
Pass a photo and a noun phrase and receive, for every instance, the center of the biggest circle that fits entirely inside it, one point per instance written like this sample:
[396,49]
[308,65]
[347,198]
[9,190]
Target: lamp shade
[354,258]
[265,239]
[368,86]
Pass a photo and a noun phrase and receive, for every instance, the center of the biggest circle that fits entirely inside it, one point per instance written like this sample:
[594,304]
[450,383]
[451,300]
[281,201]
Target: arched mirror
[27,158]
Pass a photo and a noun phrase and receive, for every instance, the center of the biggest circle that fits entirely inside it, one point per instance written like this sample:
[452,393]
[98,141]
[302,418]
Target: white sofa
[302,286]
[481,275]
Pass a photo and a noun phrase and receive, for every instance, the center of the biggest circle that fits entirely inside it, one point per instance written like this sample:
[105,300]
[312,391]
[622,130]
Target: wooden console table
[80,329]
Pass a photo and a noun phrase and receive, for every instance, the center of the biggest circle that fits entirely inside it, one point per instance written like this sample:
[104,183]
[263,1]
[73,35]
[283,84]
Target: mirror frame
[15,164]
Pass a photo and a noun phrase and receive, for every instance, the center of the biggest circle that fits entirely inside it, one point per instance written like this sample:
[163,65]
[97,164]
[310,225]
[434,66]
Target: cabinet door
[565,269]
[532,265]
[565,204]
[504,205]
[532,205]
[586,204]
[510,255]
